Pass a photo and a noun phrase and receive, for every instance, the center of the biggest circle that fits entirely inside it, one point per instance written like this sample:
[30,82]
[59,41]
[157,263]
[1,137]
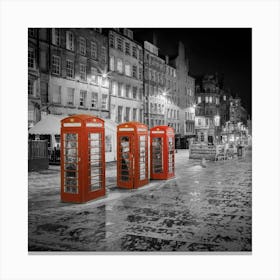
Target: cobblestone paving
[202,209]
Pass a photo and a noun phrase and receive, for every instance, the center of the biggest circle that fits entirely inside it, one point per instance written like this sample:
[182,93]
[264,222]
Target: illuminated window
[112,63]
[225,98]
[199,99]
[127,70]
[206,99]
[83,72]
[210,99]
[119,65]
[114,88]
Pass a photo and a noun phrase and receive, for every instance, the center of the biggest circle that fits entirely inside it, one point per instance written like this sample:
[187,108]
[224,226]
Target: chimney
[167,59]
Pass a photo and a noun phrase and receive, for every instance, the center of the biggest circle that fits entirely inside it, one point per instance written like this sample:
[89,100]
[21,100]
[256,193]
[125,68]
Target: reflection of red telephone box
[162,144]
[82,158]
[132,155]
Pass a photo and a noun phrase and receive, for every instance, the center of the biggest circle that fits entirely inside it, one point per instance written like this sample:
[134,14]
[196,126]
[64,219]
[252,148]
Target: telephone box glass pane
[170,154]
[125,159]
[95,161]
[157,155]
[142,157]
[71,162]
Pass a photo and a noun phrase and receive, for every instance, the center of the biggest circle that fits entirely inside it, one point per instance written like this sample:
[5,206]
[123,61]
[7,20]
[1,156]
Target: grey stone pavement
[202,209]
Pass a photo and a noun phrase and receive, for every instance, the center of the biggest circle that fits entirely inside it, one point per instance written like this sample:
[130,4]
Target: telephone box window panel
[71,162]
[142,159]
[170,154]
[94,151]
[157,155]
[125,159]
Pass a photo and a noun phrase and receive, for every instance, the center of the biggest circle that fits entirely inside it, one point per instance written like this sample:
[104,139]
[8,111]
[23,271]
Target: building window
[70,96]
[225,98]
[140,55]
[120,90]
[127,114]
[134,91]
[134,71]
[141,93]
[30,87]
[83,72]
[94,99]
[82,46]
[111,41]
[114,88]
[199,121]
[217,101]
[94,76]
[31,58]
[134,114]
[127,70]
[55,64]
[112,63]
[120,44]
[140,73]
[127,48]
[127,91]
[57,94]
[134,51]
[69,68]
[119,119]
[119,65]
[70,41]
[93,50]
[199,99]
[56,36]
[210,99]
[206,99]
[83,95]
[103,54]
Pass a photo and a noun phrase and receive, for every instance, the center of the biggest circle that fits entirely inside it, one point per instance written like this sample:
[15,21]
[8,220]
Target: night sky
[226,51]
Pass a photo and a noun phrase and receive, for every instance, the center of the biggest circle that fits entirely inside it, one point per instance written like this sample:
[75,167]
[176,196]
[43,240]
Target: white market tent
[50,125]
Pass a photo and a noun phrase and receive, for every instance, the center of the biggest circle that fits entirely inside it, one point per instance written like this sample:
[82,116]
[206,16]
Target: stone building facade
[71,71]
[126,76]
[154,87]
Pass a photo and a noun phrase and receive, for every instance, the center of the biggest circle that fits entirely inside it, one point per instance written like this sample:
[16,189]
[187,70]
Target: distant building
[154,86]
[237,112]
[126,75]
[185,93]
[208,98]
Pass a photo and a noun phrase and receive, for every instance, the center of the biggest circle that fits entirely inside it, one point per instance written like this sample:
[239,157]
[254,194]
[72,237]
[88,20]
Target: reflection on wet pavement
[202,209]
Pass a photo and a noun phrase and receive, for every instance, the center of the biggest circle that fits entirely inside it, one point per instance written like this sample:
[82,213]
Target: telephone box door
[125,162]
[71,164]
[96,165]
[157,155]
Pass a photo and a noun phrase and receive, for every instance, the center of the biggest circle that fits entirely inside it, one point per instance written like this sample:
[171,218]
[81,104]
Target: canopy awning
[50,124]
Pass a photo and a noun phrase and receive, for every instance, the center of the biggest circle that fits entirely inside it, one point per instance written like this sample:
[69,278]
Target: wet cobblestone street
[202,209]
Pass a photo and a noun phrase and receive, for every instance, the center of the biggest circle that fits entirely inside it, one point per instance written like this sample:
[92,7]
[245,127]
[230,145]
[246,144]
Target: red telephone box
[162,143]
[132,155]
[82,158]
